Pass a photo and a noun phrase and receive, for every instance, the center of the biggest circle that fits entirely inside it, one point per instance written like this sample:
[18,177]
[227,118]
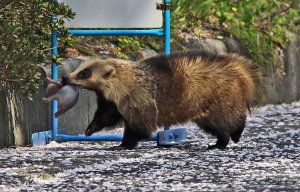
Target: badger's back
[200,85]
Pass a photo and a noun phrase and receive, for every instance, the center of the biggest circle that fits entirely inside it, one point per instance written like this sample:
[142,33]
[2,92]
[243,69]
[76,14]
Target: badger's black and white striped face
[92,74]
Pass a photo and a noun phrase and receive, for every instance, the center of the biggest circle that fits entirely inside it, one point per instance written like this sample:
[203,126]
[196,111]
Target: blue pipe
[167,37]
[54,75]
[115,137]
[125,32]
[167,29]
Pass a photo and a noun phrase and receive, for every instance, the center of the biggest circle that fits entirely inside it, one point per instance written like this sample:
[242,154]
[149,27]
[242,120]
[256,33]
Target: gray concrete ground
[266,159]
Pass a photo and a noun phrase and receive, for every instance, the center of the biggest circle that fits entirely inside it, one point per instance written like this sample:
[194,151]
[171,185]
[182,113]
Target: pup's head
[93,74]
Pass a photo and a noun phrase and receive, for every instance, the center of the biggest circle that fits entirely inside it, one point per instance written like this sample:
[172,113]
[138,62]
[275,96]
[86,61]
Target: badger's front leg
[106,115]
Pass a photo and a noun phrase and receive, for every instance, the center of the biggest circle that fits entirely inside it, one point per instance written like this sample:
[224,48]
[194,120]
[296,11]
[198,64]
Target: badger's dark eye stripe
[84,74]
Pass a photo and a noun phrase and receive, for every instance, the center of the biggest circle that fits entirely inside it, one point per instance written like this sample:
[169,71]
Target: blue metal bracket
[41,138]
[171,137]
[44,137]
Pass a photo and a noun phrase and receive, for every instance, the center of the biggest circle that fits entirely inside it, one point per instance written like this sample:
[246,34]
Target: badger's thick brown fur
[214,91]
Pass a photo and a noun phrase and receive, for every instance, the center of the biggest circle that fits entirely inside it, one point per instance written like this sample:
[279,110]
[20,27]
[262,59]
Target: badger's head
[92,74]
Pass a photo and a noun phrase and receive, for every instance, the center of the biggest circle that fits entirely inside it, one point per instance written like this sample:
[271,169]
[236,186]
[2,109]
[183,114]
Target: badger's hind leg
[222,134]
[236,135]
[222,142]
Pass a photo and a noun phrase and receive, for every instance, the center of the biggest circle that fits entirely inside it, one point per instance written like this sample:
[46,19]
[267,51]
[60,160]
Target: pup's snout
[64,79]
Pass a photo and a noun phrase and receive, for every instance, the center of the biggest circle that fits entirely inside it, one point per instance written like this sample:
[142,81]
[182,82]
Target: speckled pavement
[266,159]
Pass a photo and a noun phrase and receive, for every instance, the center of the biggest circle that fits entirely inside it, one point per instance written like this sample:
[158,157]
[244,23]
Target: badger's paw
[91,129]
[211,147]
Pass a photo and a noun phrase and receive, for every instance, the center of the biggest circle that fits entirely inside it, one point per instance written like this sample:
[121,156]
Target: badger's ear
[109,71]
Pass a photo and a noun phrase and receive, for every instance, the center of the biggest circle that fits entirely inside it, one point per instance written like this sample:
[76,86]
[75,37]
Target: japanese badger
[213,91]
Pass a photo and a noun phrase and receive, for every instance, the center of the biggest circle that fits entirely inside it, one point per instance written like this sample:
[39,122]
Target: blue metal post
[167,36]
[167,28]
[54,75]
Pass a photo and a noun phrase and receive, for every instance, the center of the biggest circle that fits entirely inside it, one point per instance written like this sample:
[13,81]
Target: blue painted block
[171,137]
[41,138]
[44,137]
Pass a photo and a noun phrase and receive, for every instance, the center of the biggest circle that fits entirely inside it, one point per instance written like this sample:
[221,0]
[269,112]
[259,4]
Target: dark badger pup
[213,91]
[66,95]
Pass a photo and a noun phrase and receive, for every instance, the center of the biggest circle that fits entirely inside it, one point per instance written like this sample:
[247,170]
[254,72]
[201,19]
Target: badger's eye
[84,74]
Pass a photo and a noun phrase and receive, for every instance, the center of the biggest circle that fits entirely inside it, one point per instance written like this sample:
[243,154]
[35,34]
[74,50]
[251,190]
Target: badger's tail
[252,85]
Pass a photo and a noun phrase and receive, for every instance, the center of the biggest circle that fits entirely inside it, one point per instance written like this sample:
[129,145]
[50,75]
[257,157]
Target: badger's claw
[210,147]
[91,129]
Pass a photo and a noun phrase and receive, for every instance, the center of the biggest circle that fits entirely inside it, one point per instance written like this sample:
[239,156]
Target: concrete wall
[286,89]
[20,117]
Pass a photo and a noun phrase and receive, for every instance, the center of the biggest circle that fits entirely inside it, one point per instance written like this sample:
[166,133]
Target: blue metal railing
[117,32]
[167,37]
[114,137]
[54,75]
[167,29]
[165,32]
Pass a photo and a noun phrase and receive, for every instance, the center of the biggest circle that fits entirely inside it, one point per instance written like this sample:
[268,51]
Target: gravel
[266,159]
